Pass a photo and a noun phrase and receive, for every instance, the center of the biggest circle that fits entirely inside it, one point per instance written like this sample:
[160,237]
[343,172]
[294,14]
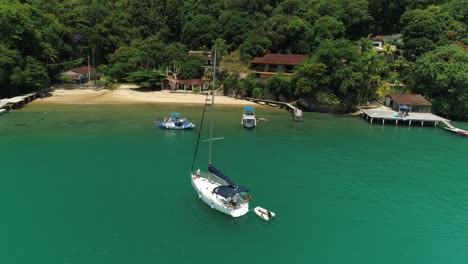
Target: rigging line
[79,60]
[212,104]
[199,133]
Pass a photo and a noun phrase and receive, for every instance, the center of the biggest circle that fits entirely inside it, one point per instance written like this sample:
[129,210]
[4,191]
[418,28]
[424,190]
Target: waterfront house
[410,102]
[79,75]
[180,84]
[271,64]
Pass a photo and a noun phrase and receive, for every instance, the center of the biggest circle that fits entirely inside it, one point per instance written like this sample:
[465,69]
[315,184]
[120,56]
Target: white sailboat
[216,189]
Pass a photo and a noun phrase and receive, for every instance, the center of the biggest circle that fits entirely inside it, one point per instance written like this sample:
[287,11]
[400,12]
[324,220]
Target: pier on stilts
[297,113]
[21,100]
[414,118]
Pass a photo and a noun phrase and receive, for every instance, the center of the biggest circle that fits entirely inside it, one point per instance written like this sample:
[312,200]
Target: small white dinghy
[264,213]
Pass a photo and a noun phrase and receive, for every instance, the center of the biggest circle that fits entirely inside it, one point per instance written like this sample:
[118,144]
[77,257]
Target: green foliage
[310,77]
[254,46]
[191,68]
[234,27]
[257,92]
[441,75]
[288,34]
[147,79]
[383,90]
[233,66]
[199,32]
[131,38]
[280,84]
[247,86]
[67,79]
[327,98]
[34,75]
[421,30]
[196,90]
[327,28]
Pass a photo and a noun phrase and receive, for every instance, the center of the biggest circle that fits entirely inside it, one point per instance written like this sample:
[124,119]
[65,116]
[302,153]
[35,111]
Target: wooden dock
[21,100]
[380,115]
[297,113]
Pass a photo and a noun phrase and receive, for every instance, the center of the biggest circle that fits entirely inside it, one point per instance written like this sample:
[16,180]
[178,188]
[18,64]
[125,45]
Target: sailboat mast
[212,106]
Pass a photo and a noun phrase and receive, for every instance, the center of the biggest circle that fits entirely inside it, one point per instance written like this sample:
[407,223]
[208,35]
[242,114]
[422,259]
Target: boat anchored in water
[248,117]
[221,193]
[264,213]
[175,122]
[214,188]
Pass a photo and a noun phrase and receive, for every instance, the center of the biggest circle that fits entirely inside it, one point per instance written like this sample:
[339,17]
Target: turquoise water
[102,184]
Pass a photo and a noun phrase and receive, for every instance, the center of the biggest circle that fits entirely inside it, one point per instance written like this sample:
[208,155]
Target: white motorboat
[264,213]
[175,122]
[248,117]
[214,188]
[2,111]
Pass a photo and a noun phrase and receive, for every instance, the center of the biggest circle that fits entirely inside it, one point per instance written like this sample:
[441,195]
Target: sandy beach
[127,94]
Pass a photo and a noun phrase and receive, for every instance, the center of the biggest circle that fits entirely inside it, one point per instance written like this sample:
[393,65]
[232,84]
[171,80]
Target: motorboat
[175,122]
[248,117]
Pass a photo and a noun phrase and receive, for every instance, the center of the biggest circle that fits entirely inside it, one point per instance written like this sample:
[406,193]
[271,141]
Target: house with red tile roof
[79,75]
[271,64]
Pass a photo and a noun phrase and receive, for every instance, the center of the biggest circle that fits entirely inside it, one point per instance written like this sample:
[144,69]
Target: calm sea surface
[102,184]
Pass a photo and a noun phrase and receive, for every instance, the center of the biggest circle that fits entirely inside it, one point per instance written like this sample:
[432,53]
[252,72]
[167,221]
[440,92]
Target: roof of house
[198,82]
[394,37]
[280,59]
[83,69]
[409,99]
[205,55]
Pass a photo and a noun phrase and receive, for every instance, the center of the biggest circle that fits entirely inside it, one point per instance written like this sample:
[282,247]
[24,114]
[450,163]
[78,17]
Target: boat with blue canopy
[175,122]
[248,117]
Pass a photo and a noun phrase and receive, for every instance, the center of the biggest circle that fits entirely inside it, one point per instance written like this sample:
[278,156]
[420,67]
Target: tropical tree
[280,84]
[389,51]
[441,75]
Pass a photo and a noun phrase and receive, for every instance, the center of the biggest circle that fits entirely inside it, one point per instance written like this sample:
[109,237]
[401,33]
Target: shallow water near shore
[102,184]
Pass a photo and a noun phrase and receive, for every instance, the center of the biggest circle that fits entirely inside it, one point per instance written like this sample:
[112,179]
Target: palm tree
[388,51]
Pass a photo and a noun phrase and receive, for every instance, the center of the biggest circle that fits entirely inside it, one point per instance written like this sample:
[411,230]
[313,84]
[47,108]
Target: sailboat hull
[204,189]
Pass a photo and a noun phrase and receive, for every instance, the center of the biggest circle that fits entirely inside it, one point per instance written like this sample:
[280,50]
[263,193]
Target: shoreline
[127,95]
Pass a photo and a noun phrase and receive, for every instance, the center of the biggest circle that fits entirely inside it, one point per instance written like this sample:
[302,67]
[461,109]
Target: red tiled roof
[409,99]
[280,59]
[198,82]
[84,70]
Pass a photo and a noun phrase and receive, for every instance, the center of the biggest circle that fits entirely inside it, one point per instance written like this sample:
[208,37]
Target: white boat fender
[212,205]
[199,195]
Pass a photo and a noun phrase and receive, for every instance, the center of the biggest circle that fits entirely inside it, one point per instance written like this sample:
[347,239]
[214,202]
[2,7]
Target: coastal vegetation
[136,40]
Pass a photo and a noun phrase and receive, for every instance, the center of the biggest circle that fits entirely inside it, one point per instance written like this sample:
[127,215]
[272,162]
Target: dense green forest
[135,40]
